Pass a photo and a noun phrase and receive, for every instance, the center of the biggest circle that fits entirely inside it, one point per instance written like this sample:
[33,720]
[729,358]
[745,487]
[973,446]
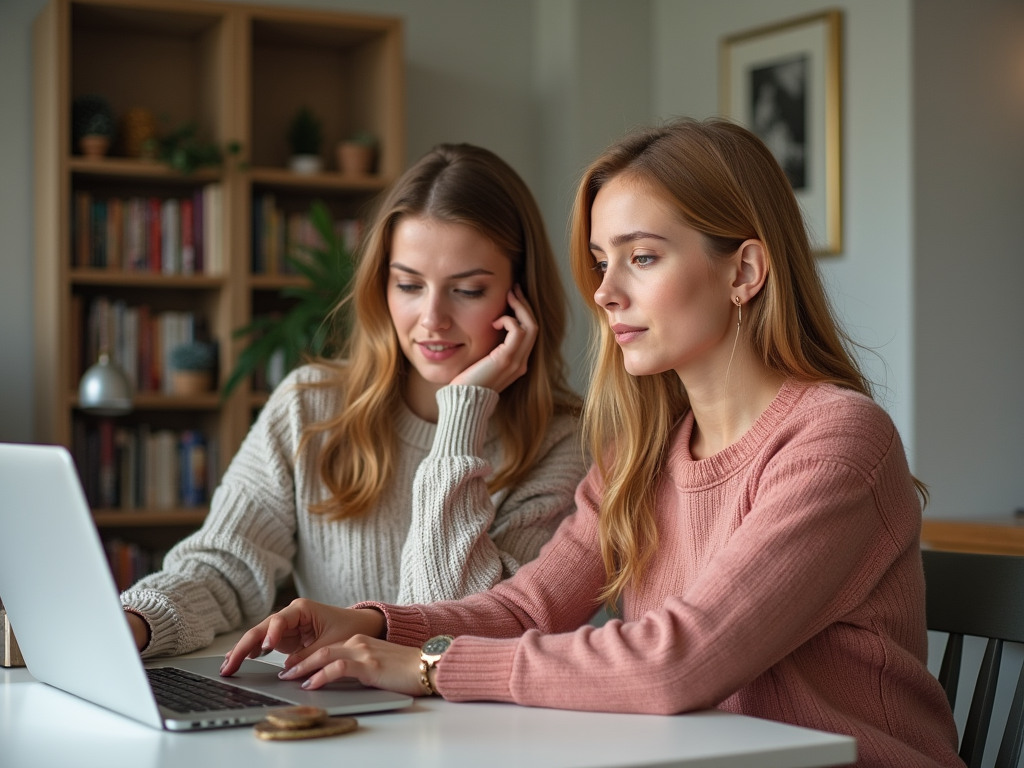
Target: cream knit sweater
[436,534]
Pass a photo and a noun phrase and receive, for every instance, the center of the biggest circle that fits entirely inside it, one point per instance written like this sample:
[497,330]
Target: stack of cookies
[302,723]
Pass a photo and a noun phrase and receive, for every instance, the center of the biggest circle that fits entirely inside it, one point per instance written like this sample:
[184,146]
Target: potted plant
[282,340]
[356,154]
[183,150]
[92,125]
[305,137]
[192,367]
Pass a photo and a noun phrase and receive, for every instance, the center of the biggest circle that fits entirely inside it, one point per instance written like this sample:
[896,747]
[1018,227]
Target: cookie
[332,727]
[297,717]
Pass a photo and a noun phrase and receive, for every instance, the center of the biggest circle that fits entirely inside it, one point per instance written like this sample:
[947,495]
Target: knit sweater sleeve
[227,572]
[813,543]
[461,539]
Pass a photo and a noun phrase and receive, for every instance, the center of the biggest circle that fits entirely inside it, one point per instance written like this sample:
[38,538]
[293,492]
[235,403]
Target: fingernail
[286,674]
[306,684]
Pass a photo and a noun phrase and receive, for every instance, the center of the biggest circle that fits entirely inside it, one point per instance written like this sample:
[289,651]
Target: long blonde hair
[726,184]
[453,183]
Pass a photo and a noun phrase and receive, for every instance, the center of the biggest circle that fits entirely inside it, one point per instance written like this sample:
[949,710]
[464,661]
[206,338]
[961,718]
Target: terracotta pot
[191,382]
[94,146]
[355,159]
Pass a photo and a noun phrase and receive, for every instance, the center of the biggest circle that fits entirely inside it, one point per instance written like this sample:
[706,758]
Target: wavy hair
[725,183]
[460,184]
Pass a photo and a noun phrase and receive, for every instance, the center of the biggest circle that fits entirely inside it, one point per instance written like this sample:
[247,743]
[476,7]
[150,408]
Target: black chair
[983,596]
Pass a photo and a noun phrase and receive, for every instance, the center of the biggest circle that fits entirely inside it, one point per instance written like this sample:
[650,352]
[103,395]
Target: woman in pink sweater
[750,509]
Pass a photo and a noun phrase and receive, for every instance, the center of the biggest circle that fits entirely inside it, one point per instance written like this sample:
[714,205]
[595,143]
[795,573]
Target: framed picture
[784,82]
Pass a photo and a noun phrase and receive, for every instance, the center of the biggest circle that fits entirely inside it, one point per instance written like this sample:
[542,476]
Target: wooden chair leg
[1013,735]
[949,672]
[972,748]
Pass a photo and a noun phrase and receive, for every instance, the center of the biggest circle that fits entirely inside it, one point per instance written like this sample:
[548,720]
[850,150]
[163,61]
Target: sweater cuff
[406,625]
[462,416]
[477,669]
[163,634]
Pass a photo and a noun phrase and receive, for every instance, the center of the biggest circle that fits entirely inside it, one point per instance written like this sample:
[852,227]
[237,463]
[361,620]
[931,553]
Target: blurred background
[932,264]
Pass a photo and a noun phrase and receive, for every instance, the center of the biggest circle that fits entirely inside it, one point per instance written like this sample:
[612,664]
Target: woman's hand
[375,663]
[304,626]
[507,361]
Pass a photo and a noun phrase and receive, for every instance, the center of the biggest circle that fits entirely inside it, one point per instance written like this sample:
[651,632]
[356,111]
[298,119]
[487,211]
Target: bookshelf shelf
[275,282]
[143,169]
[151,401]
[239,72]
[282,177]
[118,277]
[119,518]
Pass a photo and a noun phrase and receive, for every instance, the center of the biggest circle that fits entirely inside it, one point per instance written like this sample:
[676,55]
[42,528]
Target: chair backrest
[982,596]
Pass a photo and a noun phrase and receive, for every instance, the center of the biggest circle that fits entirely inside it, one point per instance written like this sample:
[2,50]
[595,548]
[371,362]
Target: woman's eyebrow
[629,237]
[457,276]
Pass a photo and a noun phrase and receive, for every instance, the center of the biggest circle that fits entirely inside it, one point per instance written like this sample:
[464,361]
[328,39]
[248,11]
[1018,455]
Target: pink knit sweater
[787,585]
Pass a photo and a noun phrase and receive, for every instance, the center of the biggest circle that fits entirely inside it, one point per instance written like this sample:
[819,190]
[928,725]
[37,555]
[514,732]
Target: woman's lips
[627,333]
[436,351]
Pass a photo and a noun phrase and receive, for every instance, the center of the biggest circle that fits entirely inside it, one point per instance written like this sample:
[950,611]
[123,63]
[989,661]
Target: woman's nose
[435,315]
[609,293]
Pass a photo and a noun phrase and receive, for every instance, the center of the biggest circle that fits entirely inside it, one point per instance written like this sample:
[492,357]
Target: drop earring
[736,338]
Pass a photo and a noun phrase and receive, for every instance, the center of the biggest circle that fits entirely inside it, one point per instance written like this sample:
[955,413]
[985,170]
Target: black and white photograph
[783,82]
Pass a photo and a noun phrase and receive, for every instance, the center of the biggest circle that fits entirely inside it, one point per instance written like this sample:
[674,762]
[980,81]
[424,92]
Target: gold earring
[739,311]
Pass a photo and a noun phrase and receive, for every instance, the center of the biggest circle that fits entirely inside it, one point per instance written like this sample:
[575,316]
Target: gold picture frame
[784,82]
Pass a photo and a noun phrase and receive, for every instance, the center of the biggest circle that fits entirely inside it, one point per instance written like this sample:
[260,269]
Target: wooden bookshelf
[239,72]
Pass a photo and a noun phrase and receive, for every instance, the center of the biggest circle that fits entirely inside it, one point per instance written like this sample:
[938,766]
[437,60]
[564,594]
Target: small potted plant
[192,367]
[92,125]
[183,150]
[305,137]
[356,154]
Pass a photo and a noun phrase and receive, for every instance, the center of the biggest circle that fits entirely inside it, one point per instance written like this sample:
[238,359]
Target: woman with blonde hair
[750,508]
[433,459]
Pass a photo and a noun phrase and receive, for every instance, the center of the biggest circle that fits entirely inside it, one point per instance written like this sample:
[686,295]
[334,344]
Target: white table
[41,727]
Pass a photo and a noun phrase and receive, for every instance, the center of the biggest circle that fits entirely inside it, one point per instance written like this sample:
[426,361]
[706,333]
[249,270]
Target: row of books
[138,340]
[170,236]
[129,562]
[143,468]
[277,235]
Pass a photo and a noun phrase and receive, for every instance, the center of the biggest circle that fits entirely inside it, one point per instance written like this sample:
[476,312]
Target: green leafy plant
[305,134]
[310,326]
[91,115]
[183,150]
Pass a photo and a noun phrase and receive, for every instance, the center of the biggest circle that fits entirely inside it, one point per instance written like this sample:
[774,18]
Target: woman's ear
[751,270]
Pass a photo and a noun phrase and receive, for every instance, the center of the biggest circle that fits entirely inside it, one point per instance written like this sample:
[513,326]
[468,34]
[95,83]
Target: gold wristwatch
[430,653]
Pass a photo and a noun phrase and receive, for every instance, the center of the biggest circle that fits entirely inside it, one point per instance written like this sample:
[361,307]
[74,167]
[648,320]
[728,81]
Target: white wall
[870,281]
[16,218]
[968,67]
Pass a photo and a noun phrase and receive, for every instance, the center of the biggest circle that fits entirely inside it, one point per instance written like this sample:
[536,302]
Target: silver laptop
[63,604]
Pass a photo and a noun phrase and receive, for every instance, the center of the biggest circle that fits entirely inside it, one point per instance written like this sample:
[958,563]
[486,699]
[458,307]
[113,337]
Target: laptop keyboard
[187,692]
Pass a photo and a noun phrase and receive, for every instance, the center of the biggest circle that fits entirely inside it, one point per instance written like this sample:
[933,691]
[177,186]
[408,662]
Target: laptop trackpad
[340,697]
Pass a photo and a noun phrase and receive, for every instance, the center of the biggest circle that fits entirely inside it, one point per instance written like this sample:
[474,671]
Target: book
[170,230]
[188,251]
[154,244]
[115,233]
[82,229]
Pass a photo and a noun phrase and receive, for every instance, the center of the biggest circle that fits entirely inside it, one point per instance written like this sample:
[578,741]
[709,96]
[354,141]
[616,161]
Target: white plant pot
[305,164]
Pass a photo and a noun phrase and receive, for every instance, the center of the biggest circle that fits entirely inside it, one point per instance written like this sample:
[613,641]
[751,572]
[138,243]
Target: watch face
[435,646]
